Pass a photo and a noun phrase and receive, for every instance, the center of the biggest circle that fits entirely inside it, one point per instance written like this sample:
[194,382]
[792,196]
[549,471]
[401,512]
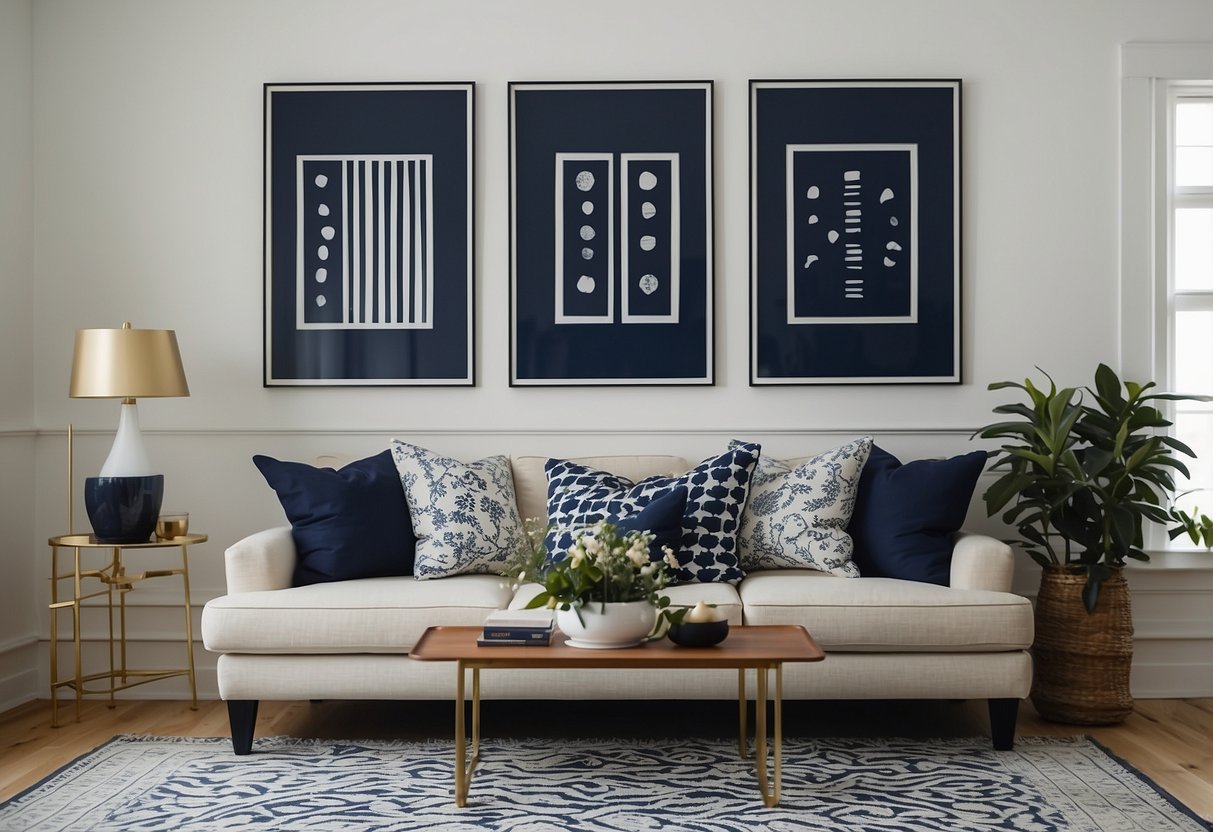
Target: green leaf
[1108,385]
[1172,442]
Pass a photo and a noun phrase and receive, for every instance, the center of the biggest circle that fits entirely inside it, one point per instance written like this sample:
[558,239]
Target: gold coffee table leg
[770,788]
[742,703]
[463,766]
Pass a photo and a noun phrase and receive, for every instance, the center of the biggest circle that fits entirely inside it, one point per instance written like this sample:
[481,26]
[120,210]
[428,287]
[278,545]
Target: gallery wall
[148,183]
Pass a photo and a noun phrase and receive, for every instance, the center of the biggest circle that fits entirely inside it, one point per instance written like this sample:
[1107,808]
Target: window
[1189,276]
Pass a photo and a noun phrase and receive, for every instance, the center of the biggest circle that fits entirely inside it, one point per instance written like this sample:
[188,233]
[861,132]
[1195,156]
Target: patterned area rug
[154,783]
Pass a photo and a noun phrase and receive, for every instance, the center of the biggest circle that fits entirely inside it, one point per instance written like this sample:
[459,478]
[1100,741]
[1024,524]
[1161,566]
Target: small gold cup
[172,526]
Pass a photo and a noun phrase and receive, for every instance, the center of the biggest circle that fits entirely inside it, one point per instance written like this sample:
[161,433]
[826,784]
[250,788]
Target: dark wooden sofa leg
[1003,713]
[242,715]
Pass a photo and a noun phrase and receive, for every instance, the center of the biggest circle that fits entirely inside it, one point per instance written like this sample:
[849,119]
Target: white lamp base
[128,457]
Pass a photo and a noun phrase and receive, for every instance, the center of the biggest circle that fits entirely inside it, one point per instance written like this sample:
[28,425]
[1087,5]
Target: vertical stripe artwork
[365,242]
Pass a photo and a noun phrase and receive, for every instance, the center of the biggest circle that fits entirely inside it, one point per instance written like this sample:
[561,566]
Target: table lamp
[128,364]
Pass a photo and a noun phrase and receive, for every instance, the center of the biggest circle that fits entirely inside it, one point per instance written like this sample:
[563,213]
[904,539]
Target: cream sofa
[884,638]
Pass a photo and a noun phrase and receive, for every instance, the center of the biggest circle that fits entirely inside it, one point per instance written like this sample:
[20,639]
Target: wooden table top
[747,646]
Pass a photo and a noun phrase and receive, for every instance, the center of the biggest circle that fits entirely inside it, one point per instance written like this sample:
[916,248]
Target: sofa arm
[265,560]
[981,562]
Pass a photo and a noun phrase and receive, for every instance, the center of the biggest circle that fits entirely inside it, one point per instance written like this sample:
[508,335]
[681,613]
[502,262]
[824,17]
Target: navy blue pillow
[906,515]
[662,517]
[352,523]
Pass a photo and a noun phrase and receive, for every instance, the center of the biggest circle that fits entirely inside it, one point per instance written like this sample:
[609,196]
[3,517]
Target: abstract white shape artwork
[832,236]
[649,284]
[585,180]
[585,284]
[378,237]
[648,210]
[647,181]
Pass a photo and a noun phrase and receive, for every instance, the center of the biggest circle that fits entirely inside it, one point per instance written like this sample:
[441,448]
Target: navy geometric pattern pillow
[717,489]
[662,518]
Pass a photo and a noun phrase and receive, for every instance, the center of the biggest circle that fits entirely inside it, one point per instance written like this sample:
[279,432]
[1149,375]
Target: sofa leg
[242,715]
[1003,713]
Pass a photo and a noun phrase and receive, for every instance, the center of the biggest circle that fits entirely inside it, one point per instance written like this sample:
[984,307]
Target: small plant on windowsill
[1197,526]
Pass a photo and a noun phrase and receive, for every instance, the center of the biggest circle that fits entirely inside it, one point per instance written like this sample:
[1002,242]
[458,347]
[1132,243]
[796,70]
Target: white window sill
[1176,559]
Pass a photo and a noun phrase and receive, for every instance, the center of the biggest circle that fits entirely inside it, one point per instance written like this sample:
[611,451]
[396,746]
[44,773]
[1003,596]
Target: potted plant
[605,588]
[1083,472]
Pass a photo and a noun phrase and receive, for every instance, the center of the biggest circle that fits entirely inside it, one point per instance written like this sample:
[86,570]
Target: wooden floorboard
[1169,740]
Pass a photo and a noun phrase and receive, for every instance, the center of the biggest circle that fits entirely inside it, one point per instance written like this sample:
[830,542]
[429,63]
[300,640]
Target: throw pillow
[347,524]
[717,489]
[662,517]
[797,515]
[906,515]
[464,513]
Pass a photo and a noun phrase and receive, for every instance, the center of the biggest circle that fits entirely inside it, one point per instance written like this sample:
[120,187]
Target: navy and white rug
[155,783]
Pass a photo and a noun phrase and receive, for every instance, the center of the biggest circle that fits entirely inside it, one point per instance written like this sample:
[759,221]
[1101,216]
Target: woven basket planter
[1082,660]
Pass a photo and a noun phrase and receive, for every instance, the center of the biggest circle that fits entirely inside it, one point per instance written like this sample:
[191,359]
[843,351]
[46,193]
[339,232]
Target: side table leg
[189,626]
[760,735]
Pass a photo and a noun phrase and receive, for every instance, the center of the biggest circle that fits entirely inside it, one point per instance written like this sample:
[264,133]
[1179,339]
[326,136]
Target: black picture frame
[369,238]
[855,232]
[611,233]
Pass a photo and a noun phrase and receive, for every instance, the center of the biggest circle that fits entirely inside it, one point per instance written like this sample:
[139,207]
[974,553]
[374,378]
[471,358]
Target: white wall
[18,617]
[148,177]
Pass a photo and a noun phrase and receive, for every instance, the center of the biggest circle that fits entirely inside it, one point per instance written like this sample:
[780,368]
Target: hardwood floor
[1167,739]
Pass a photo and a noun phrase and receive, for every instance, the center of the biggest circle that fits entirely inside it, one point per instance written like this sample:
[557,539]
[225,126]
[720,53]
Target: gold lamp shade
[127,364]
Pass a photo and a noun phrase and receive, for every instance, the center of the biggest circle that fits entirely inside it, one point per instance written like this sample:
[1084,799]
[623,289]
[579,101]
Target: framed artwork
[855,232]
[611,233]
[368,234]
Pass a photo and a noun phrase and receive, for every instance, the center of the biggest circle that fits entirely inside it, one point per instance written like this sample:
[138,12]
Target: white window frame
[1148,73]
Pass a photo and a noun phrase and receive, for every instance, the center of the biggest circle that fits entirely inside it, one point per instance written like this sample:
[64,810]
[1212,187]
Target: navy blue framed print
[611,233]
[368,234]
[854,232]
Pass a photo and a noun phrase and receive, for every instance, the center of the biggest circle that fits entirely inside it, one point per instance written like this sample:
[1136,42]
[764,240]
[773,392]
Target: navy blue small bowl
[699,633]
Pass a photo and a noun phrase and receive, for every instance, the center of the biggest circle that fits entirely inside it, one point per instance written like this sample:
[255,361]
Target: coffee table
[761,648]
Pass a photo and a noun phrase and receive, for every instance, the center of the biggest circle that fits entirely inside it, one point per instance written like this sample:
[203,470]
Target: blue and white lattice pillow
[797,516]
[716,494]
[464,514]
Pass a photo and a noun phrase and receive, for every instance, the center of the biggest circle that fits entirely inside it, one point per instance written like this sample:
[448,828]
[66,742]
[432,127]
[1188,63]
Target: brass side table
[111,578]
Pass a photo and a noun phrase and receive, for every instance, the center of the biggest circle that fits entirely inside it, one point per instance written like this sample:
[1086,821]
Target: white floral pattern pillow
[464,514]
[797,516]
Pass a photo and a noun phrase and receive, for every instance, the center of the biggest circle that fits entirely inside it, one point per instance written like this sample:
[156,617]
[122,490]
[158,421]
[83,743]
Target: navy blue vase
[123,509]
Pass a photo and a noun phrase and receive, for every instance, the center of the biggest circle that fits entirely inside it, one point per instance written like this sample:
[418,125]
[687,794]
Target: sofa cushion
[886,614]
[531,479]
[717,489]
[797,515]
[464,513]
[907,515]
[372,615]
[347,524]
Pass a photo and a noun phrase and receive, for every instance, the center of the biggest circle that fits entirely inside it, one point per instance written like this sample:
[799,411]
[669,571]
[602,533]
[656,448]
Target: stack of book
[515,628]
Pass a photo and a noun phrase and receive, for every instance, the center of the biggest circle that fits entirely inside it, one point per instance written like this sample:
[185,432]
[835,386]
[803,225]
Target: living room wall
[148,183]
[18,617]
